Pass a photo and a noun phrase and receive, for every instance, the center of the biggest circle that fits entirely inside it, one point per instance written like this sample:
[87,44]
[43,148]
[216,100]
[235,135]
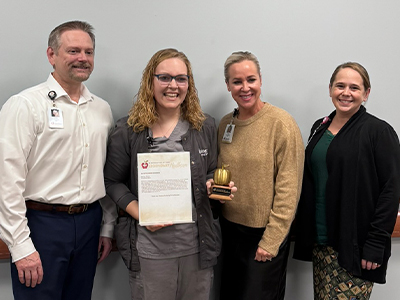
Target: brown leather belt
[71,209]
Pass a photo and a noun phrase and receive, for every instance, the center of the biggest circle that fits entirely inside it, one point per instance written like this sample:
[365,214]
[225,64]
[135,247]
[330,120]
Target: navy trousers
[67,245]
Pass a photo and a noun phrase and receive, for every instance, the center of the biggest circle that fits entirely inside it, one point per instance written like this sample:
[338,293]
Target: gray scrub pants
[136,284]
[172,279]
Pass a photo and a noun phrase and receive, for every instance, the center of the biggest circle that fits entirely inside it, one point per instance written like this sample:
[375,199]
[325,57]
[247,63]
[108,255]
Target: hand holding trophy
[221,190]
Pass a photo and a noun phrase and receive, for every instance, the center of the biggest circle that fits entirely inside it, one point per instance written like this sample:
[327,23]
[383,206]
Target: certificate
[164,188]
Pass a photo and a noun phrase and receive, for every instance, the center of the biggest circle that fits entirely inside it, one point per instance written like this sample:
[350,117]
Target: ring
[375,264]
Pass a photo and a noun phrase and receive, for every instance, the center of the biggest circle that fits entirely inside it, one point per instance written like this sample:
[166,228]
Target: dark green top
[320,175]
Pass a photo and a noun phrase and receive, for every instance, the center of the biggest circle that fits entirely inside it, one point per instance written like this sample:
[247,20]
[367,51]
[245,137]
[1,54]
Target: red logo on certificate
[145,164]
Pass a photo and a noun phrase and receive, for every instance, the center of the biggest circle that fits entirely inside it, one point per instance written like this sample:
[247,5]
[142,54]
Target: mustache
[82,65]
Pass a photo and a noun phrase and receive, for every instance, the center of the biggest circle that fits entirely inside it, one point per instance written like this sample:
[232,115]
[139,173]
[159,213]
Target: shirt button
[82,188]
[86,145]
[84,166]
[201,215]
[192,162]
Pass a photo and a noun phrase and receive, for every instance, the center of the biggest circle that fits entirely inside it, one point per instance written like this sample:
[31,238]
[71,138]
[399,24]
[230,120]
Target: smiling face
[170,95]
[244,83]
[74,60]
[348,92]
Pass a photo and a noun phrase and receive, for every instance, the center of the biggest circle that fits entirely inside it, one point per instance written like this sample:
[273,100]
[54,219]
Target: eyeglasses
[166,79]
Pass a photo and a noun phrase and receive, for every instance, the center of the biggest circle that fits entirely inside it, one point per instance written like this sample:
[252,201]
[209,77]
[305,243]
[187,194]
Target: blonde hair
[143,113]
[237,57]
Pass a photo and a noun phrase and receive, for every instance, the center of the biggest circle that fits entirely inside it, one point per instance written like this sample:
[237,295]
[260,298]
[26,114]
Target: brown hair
[143,112]
[54,37]
[356,67]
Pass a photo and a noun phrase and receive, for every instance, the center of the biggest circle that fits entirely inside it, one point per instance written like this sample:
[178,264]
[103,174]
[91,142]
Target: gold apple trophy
[221,190]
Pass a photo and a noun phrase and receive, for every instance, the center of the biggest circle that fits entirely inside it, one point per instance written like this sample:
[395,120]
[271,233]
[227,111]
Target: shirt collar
[53,85]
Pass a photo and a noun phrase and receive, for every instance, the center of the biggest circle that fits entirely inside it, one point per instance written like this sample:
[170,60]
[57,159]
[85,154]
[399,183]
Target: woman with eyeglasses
[351,188]
[170,261]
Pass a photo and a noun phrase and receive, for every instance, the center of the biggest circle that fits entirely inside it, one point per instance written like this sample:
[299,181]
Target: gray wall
[298,43]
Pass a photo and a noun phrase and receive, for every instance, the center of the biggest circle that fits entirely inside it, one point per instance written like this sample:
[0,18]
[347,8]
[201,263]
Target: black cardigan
[362,194]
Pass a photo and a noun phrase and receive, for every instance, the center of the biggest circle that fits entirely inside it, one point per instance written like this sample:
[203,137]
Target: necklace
[168,130]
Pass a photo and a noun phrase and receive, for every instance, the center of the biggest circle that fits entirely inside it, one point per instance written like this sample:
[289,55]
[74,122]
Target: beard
[77,74]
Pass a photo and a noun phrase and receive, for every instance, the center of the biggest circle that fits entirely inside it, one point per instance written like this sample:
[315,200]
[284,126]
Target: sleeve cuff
[107,230]
[272,249]
[22,250]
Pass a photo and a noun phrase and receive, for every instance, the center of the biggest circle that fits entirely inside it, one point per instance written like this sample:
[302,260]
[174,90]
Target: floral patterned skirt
[332,282]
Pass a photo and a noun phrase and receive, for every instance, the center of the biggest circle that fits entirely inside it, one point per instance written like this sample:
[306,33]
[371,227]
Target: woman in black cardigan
[351,190]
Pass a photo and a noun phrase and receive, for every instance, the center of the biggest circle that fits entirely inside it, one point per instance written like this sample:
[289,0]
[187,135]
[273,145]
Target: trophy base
[220,192]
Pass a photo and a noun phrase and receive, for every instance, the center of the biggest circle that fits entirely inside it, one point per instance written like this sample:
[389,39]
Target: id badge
[228,134]
[55,118]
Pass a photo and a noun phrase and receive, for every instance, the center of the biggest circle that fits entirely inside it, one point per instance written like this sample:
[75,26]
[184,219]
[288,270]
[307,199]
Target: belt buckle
[85,207]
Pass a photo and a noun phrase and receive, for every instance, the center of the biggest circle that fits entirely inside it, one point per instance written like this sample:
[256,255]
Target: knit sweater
[266,159]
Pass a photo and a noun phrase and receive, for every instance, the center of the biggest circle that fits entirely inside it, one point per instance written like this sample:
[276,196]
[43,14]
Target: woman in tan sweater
[264,149]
